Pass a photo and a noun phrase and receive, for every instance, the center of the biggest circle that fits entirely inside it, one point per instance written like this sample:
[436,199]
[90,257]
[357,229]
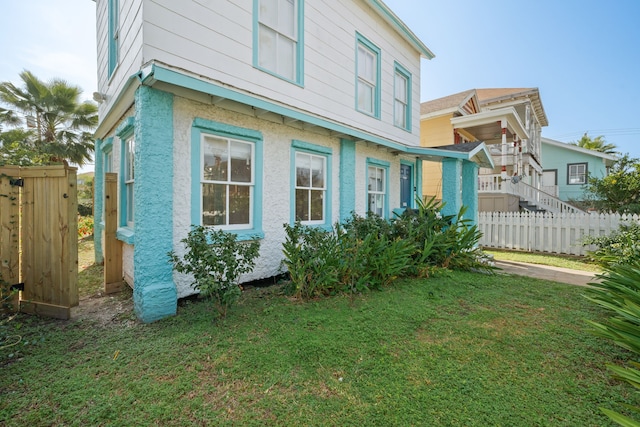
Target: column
[451,186]
[470,190]
[347,178]
[154,293]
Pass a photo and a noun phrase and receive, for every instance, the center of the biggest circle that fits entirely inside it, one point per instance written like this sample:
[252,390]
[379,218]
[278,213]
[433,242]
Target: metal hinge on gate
[17,287]
[17,182]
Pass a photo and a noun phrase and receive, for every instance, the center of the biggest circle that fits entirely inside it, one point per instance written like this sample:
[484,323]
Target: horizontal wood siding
[214,39]
[544,232]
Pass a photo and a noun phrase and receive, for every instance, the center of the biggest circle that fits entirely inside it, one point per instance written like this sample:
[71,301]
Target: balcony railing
[514,186]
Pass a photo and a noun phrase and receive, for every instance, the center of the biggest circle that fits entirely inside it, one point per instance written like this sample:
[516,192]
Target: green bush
[619,292]
[620,247]
[216,259]
[370,252]
[85,226]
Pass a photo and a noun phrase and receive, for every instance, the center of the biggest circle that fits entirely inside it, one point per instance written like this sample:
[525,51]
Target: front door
[406,186]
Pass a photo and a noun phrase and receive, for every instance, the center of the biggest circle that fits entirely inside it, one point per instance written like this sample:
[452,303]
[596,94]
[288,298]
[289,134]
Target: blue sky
[583,55]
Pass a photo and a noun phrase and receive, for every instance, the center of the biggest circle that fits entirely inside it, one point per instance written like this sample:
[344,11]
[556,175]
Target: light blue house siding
[571,165]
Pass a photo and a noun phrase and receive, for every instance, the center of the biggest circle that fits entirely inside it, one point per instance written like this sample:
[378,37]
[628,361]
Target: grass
[457,349]
[572,262]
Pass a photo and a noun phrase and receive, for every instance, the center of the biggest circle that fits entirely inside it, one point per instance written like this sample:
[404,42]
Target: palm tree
[596,144]
[63,125]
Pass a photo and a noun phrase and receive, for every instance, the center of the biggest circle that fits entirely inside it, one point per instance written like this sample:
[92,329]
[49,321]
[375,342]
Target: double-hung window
[402,98]
[129,178]
[114,34]
[377,176]
[367,77]
[311,177]
[227,182]
[577,173]
[278,27]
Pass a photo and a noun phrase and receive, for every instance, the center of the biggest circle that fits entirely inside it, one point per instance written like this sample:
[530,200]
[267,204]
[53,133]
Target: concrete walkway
[546,272]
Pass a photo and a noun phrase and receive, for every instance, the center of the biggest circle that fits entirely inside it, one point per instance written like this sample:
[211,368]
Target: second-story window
[114,35]
[368,77]
[279,48]
[402,98]
[577,173]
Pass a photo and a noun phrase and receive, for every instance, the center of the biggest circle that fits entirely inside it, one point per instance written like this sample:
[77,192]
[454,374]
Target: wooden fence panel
[112,246]
[48,240]
[546,232]
[9,237]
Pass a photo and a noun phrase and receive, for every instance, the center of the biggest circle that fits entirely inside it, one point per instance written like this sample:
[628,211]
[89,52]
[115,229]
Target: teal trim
[470,190]
[384,165]
[327,153]
[98,202]
[399,69]
[126,235]
[418,172]
[205,126]
[107,145]
[451,186]
[412,165]
[404,31]
[154,292]
[113,18]
[347,178]
[375,50]
[124,131]
[299,77]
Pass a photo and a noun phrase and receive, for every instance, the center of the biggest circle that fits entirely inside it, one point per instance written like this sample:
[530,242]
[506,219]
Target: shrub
[85,209]
[619,292]
[620,247]
[216,259]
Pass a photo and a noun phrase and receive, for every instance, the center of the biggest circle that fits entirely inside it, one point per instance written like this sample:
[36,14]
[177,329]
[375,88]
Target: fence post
[112,246]
[9,237]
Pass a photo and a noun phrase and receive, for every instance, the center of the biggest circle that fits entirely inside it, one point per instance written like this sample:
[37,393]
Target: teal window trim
[317,150]
[362,41]
[413,181]
[107,150]
[125,231]
[202,127]
[114,34]
[381,164]
[401,71]
[299,49]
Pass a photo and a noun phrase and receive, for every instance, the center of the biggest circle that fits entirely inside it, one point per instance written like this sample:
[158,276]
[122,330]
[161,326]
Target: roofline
[544,121]
[578,149]
[388,15]
[485,117]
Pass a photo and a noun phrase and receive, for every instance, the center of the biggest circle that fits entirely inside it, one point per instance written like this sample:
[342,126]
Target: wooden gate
[39,237]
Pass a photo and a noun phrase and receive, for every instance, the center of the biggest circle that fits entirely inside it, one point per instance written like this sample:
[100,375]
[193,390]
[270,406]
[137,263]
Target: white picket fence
[546,232]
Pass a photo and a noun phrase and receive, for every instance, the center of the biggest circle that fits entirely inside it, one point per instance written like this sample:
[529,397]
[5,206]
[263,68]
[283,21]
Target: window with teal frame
[127,172]
[401,97]
[226,176]
[367,77]
[311,184]
[278,38]
[377,187]
[114,34]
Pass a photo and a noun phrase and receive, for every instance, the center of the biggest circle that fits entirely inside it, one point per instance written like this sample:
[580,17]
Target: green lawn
[573,262]
[457,349]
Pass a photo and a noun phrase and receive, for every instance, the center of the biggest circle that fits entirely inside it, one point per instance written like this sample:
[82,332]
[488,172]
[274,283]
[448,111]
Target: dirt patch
[106,310]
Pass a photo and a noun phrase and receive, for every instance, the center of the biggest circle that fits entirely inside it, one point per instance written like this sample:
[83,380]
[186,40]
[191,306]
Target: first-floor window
[376,189]
[311,187]
[129,177]
[577,173]
[227,182]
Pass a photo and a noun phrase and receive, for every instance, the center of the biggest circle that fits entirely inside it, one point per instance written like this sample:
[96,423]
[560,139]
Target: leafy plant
[85,226]
[619,292]
[620,247]
[216,259]
[619,191]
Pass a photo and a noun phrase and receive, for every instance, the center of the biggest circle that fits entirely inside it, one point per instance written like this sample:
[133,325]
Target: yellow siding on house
[434,132]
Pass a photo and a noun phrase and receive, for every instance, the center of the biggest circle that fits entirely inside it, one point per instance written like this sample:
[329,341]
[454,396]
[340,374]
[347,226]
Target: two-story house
[509,121]
[248,115]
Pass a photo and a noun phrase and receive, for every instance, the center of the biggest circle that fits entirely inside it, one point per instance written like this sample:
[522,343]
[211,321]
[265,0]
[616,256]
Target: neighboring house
[567,167]
[509,122]
[248,115]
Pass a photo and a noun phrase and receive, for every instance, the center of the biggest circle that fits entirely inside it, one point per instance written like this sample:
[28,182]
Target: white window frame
[129,147]
[311,188]
[282,36]
[378,210]
[402,99]
[574,176]
[367,79]
[228,182]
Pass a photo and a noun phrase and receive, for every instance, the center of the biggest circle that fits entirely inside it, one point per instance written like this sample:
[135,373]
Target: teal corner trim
[470,190]
[98,206]
[375,50]
[155,294]
[347,185]
[327,153]
[204,126]
[419,178]
[451,186]
[299,77]
[384,165]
